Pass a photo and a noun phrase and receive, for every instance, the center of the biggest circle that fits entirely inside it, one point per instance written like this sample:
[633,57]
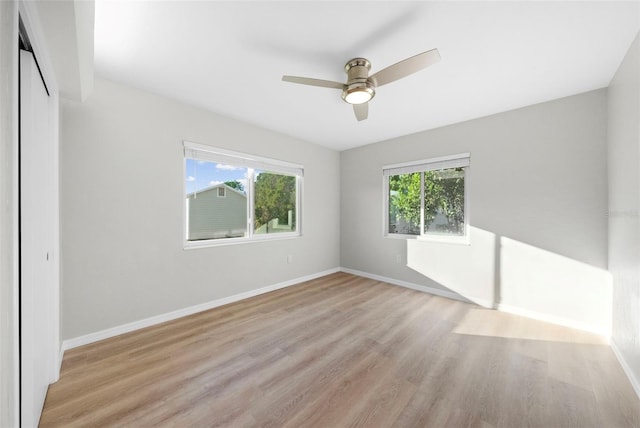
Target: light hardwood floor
[345,351]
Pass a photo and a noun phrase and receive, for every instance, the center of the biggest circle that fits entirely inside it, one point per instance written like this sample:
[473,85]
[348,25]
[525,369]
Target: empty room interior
[320,213]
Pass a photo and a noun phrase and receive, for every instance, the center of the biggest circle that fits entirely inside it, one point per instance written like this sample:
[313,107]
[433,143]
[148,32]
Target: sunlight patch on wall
[499,272]
[544,282]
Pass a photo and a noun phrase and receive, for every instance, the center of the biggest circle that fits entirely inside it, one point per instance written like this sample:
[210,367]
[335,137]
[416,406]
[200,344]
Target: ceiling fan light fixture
[358,93]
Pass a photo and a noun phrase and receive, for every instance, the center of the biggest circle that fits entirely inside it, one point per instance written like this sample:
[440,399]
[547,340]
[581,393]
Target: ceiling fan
[360,87]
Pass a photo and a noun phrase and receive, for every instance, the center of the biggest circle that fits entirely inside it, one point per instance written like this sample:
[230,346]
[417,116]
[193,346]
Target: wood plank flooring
[345,351]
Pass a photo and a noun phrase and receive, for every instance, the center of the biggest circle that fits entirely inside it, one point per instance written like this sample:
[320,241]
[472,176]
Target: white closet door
[36,242]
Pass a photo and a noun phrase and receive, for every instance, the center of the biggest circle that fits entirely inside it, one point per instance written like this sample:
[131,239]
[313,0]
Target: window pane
[404,204]
[275,203]
[444,202]
[216,200]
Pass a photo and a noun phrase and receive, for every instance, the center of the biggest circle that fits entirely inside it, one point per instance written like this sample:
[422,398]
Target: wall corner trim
[635,383]
[169,316]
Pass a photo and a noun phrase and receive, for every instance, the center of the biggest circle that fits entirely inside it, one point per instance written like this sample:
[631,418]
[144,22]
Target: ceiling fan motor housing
[358,82]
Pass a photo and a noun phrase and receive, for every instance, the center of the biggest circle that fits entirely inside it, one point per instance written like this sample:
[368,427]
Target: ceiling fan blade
[313,82]
[361,111]
[405,67]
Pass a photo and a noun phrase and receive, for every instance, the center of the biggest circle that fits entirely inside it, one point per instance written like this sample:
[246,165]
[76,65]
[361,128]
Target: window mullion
[422,203]
[298,203]
[250,202]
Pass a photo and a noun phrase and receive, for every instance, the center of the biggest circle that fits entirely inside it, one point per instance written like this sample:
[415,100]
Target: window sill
[443,239]
[192,245]
[436,239]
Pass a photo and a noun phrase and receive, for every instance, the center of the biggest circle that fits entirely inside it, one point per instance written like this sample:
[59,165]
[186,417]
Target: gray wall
[538,202]
[122,203]
[8,212]
[624,206]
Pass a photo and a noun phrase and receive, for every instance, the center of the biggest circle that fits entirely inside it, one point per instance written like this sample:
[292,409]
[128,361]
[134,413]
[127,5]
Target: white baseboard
[147,322]
[606,333]
[424,288]
[635,383]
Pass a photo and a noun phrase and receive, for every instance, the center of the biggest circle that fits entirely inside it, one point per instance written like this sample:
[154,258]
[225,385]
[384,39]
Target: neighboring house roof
[215,186]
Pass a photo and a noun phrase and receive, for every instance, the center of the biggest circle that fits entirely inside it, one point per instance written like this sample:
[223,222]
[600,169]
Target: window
[235,197]
[427,198]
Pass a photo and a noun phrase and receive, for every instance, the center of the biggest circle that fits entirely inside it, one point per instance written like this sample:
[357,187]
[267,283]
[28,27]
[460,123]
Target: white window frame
[462,160]
[251,163]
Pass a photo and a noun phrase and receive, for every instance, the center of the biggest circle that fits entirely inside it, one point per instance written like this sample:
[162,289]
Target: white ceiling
[229,57]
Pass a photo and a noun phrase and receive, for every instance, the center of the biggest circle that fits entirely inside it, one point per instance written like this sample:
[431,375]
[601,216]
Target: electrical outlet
[289,259]
[398,258]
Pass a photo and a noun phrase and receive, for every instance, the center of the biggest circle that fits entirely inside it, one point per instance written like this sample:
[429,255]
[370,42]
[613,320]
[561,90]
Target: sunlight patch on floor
[492,323]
